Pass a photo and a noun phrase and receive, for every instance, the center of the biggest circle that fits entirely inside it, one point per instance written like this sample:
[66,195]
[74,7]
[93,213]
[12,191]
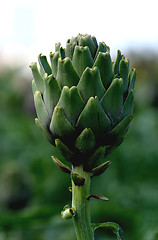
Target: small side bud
[77,179]
[68,212]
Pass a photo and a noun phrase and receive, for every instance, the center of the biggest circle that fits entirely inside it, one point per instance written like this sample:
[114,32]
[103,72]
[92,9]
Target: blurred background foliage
[33,191]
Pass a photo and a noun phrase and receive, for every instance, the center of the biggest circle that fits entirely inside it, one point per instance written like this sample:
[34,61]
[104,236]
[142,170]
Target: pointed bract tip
[61,165]
[32,64]
[97,196]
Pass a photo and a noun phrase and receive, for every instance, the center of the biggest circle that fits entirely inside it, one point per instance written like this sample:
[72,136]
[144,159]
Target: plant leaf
[117,62]
[113,226]
[128,105]
[57,46]
[97,196]
[117,133]
[54,62]
[81,59]
[66,74]
[132,78]
[100,169]
[45,67]
[62,53]
[60,126]
[104,64]
[34,88]
[52,93]
[69,49]
[90,84]
[42,113]
[61,165]
[46,133]
[39,81]
[123,71]
[121,128]
[94,117]
[72,103]
[96,157]
[64,150]
[86,140]
[112,100]
[101,48]
[95,41]
[86,40]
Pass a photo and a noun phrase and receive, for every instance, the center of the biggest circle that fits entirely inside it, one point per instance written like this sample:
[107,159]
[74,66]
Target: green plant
[84,103]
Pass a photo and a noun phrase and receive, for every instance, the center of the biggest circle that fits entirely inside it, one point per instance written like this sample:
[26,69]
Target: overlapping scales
[83,100]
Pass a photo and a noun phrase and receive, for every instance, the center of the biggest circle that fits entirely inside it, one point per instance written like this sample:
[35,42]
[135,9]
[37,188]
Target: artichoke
[84,101]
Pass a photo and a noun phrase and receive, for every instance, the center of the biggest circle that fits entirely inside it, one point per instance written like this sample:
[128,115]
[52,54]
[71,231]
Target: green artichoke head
[84,101]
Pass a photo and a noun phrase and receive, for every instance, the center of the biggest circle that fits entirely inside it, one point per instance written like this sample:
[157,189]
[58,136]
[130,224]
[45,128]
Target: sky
[30,27]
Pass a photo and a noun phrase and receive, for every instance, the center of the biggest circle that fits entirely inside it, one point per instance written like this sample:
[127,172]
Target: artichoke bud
[84,101]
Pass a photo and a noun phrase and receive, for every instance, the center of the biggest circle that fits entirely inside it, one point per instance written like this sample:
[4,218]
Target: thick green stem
[82,219]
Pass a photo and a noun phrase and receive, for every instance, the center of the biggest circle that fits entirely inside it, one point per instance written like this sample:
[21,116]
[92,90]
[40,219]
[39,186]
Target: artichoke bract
[84,101]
